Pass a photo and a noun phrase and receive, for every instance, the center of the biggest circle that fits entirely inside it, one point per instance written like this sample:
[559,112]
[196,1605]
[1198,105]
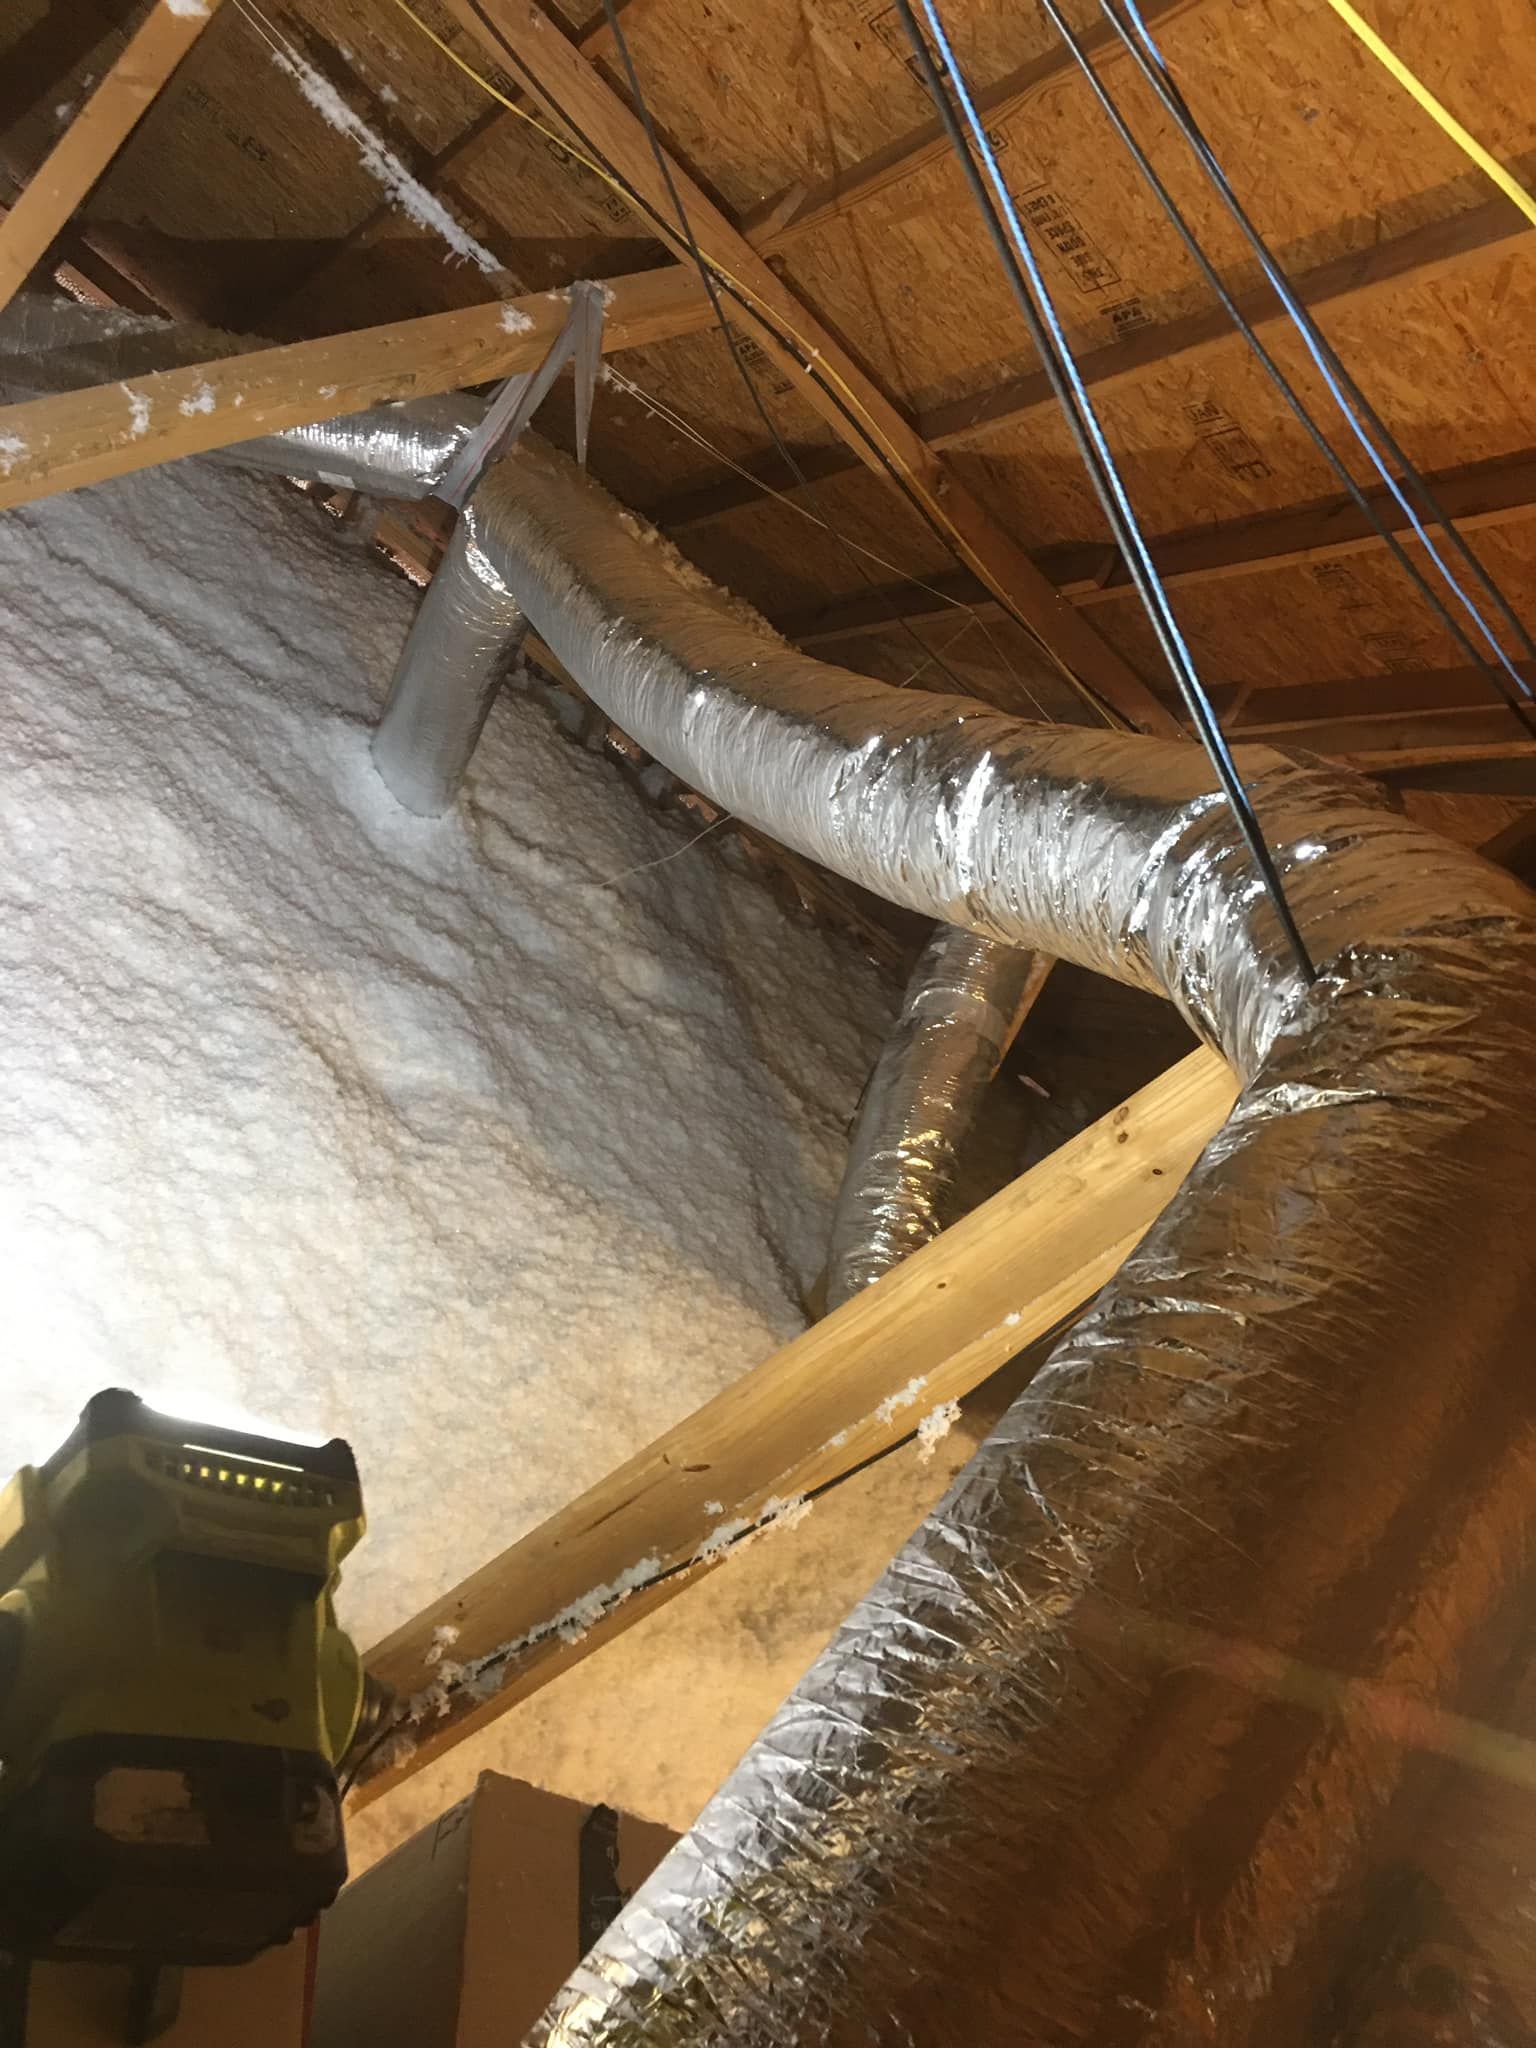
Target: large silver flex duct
[959,1014]
[1103,1755]
[1099,1759]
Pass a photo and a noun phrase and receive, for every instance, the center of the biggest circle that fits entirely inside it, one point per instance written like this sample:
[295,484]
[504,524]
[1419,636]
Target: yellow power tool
[176,1699]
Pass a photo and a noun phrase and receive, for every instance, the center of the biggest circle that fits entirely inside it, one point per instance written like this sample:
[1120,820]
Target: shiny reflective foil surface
[958,1016]
[1118,1748]
[1108,1752]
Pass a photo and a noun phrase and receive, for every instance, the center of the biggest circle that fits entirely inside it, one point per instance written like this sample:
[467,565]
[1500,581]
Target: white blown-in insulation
[460,1138]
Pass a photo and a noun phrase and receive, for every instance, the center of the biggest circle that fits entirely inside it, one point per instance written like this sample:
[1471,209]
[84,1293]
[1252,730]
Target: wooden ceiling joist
[1397,695]
[82,437]
[1387,736]
[95,135]
[1089,573]
[1452,247]
[573,93]
[928,1332]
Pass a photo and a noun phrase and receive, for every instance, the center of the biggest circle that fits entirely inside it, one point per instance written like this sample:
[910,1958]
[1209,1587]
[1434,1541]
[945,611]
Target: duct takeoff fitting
[1063,1776]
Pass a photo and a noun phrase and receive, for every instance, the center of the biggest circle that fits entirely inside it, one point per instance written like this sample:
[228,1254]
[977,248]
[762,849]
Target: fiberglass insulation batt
[494,1143]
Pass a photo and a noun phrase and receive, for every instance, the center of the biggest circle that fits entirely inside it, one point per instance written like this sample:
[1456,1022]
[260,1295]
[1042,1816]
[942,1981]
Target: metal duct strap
[959,1015]
[1102,1756]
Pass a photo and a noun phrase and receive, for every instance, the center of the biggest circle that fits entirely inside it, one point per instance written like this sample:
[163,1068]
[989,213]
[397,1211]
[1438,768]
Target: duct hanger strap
[580,343]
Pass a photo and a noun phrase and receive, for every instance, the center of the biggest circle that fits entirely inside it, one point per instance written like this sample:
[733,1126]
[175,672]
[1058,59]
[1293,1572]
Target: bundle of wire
[968,137]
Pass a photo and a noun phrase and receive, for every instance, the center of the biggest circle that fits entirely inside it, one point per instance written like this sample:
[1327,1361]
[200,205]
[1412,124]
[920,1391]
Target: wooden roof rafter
[483,133]
[1456,246]
[1091,573]
[572,93]
[95,134]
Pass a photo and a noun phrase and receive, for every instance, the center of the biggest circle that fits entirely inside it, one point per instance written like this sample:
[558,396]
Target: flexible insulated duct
[1103,1755]
[428,732]
[959,1014]
[1094,1761]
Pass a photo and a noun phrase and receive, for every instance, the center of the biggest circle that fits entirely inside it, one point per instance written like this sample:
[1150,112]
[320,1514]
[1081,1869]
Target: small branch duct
[1062,1777]
[959,1014]
[1104,1754]
[427,734]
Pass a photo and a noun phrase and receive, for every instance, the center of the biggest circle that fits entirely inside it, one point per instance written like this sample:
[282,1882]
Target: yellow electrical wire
[771,316]
[1507,183]
[511,105]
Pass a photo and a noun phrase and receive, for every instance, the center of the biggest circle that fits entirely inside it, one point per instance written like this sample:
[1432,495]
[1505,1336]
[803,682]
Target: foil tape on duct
[1096,1760]
[959,1014]
[395,451]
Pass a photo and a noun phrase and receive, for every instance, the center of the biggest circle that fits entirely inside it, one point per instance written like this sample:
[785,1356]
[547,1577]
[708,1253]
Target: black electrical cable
[1033,295]
[1346,391]
[707,277]
[539,90]
[1277,376]
[390,1726]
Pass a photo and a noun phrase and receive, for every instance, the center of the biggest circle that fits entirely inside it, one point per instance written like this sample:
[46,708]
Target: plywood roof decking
[236,201]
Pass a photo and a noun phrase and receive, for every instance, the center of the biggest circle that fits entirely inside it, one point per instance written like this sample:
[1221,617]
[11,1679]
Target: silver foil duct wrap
[391,451]
[1105,1754]
[1108,1752]
[466,630]
[394,451]
[959,1015]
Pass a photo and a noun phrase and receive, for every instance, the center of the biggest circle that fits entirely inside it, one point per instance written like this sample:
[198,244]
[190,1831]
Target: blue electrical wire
[1046,331]
[1153,66]
[1272,369]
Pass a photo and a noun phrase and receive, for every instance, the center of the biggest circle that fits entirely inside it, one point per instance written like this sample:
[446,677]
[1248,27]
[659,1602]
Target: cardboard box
[262,2004]
[462,1936]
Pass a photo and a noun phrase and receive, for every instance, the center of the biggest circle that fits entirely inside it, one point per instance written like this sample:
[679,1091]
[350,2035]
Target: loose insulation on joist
[494,1143]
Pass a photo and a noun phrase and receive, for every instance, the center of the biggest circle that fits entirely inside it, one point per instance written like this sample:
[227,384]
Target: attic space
[767,1023]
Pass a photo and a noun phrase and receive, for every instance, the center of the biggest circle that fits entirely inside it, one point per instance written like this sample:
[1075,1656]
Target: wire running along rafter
[1476,656]
[1357,410]
[706,277]
[952,97]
